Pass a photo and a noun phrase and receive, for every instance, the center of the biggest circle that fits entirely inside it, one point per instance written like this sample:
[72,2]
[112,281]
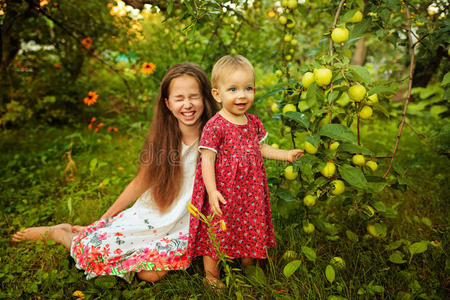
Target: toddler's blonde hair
[227,63]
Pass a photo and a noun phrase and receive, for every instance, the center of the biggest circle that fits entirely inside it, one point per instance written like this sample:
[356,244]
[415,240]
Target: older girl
[149,238]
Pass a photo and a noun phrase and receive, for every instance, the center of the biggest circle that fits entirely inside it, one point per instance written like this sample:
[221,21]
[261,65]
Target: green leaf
[427,221]
[313,140]
[291,267]
[309,253]
[361,72]
[92,164]
[351,236]
[106,282]
[255,273]
[273,92]
[169,7]
[353,176]
[436,110]
[359,30]
[395,245]
[446,79]
[333,96]
[298,117]
[419,247]
[314,94]
[338,132]
[397,258]
[377,289]
[354,148]
[285,194]
[330,273]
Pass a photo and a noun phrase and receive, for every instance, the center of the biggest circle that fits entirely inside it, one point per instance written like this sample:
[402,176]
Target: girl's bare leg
[212,271]
[78,228]
[151,276]
[61,233]
[246,261]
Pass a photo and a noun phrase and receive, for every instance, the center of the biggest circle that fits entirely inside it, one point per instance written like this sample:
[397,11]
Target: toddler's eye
[249,88]
[233,89]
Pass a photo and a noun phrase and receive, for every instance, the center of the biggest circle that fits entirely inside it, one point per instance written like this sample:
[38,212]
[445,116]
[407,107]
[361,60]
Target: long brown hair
[160,164]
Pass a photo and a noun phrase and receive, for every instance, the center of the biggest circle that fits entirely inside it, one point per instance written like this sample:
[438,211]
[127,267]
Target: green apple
[292,4]
[366,112]
[309,228]
[334,146]
[282,20]
[274,108]
[357,17]
[357,92]
[329,170]
[339,35]
[290,23]
[307,79]
[289,173]
[310,148]
[276,146]
[339,187]
[358,160]
[372,165]
[289,107]
[371,229]
[322,76]
[309,200]
[372,99]
[338,263]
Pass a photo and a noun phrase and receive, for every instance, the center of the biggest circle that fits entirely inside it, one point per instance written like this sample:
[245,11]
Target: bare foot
[78,228]
[214,282]
[37,233]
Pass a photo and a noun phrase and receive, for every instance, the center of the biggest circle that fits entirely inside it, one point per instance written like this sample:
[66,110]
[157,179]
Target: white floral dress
[139,238]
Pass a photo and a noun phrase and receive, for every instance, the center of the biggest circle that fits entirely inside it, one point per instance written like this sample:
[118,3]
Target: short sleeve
[211,137]
[260,131]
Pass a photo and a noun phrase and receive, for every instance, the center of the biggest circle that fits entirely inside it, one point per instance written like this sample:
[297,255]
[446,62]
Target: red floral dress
[241,179]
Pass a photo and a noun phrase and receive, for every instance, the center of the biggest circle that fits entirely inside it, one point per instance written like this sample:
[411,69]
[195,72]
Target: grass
[36,191]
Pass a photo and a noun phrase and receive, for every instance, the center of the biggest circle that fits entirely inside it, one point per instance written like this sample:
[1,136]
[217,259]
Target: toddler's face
[236,91]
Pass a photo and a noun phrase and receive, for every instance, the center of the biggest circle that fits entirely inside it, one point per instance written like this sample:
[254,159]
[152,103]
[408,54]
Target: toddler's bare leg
[212,271]
[61,233]
[151,276]
[246,261]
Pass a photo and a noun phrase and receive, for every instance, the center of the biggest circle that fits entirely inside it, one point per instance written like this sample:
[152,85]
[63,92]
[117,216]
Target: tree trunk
[359,56]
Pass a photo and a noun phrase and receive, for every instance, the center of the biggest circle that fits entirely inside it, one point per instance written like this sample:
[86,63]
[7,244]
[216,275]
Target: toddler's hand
[214,199]
[294,154]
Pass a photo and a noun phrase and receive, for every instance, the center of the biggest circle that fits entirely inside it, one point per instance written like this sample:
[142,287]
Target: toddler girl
[231,174]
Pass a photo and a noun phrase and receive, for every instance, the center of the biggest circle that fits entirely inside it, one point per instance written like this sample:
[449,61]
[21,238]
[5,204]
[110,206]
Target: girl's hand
[214,199]
[294,154]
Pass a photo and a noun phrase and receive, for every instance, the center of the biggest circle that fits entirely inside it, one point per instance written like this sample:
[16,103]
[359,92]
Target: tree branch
[336,17]
[90,51]
[405,108]
[422,137]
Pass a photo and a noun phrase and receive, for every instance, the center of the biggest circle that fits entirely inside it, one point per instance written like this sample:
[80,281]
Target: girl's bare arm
[209,179]
[269,152]
[133,190]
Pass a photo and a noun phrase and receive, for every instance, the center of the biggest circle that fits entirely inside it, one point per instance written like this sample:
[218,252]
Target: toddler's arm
[209,178]
[270,152]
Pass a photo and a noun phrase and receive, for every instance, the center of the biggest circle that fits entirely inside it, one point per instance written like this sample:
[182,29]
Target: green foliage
[72,174]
